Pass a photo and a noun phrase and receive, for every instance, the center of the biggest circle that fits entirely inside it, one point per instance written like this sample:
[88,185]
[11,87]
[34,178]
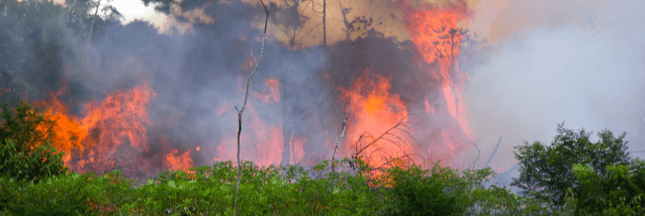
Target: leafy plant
[546,171]
[26,152]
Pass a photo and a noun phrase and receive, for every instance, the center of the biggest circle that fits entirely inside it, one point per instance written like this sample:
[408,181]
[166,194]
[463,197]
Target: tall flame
[438,39]
[374,112]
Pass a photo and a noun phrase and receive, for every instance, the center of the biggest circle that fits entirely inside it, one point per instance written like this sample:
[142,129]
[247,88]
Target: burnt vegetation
[43,46]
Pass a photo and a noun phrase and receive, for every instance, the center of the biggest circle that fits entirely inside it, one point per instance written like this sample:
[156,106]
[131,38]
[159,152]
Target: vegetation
[34,181]
[573,176]
[25,152]
[547,170]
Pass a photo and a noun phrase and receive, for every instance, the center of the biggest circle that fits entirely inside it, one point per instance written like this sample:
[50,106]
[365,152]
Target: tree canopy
[546,172]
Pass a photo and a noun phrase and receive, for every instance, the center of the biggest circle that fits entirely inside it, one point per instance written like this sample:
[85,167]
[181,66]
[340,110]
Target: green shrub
[25,152]
[35,164]
[416,193]
[71,194]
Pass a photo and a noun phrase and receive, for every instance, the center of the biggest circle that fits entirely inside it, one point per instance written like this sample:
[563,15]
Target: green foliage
[417,193]
[25,152]
[36,164]
[22,125]
[615,195]
[546,171]
[70,194]
[208,190]
[34,181]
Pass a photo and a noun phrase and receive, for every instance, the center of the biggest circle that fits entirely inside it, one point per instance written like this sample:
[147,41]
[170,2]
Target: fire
[261,138]
[121,120]
[66,132]
[374,112]
[438,39]
[272,95]
[176,161]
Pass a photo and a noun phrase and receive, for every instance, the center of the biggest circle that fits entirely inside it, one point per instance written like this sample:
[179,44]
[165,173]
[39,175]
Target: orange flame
[176,161]
[437,37]
[374,111]
[91,141]
[66,132]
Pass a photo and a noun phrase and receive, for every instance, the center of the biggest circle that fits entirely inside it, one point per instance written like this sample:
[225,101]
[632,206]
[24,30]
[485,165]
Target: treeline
[573,176]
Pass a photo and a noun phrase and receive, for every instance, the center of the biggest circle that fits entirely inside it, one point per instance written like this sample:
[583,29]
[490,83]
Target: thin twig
[241,110]
[386,132]
[342,134]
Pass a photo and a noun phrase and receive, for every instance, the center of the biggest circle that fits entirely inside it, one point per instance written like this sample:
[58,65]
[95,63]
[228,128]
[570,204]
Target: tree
[546,172]
[246,97]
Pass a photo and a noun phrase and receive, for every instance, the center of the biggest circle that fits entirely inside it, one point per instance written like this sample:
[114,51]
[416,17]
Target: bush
[416,193]
[71,194]
[25,152]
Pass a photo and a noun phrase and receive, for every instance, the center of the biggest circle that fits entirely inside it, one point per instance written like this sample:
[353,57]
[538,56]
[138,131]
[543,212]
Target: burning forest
[405,97]
[292,107]
[146,98]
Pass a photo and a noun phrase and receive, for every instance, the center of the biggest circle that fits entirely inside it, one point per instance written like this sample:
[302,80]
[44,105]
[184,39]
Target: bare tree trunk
[241,110]
[324,23]
[286,122]
[342,134]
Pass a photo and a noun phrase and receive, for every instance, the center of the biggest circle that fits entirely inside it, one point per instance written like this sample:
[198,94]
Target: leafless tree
[246,97]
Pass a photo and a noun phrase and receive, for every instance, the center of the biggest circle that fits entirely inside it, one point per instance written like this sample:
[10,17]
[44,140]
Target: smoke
[554,61]
[545,62]
[197,77]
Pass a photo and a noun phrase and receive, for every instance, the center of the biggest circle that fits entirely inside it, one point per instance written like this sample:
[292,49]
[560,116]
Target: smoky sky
[577,62]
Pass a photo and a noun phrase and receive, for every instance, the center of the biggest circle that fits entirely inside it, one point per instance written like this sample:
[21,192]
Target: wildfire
[438,39]
[121,120]
[436,35]
[66,132]
[262,138]
[375,111]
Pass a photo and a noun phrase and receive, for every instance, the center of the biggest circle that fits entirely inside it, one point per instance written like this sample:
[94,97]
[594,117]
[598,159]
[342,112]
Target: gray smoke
[582,63]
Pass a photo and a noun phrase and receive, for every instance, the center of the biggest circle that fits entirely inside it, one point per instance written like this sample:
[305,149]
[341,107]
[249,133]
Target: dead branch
[241,110]
[366,135]
[380,137]
[342,134]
